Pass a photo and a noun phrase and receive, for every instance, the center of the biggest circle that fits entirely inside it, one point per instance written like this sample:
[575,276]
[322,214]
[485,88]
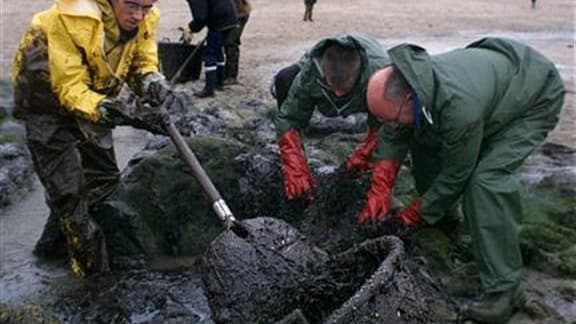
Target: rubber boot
[231,68]
[86,246]
[209,85]
[52,243]
[495,307]
[220,73]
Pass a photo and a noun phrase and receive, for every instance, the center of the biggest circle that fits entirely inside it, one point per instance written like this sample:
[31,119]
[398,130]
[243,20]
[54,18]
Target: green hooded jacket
[468,95]
[307,93]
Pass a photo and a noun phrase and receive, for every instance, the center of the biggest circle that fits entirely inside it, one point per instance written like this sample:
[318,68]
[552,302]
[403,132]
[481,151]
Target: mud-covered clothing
[61,61]
[233,40]
[76,172]
[213,14]
[308,90]
[484,109]
[72,56]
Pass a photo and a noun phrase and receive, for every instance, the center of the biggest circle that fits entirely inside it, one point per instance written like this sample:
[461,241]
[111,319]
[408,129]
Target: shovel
[218,204]
[128,113]
[132,112]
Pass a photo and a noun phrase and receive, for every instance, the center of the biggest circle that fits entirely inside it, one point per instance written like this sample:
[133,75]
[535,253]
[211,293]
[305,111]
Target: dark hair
[341,66]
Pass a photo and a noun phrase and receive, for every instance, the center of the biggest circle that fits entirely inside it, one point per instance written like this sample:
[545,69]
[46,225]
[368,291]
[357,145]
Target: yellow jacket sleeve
[70,77]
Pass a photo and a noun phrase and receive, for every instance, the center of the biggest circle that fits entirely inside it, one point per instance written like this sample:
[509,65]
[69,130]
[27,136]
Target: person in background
[469,118]
[232,46]
[219,16]
[68,70]
[308,7]
[331,77]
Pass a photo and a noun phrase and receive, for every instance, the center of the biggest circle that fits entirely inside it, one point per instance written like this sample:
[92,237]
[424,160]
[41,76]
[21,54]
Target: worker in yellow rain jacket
[68,71]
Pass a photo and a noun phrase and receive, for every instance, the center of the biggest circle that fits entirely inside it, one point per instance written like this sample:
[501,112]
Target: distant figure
[533,4]
[309,6]
[219,17]
[232,43]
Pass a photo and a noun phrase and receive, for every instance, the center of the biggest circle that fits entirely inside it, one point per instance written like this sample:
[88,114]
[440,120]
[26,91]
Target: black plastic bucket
[172,55]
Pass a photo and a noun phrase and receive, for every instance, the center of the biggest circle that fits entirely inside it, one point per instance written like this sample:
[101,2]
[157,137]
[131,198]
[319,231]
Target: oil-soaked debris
[159,207]
[159,213]
[321,125]
[27,313]
[277,271]
[133,297]
[15,172]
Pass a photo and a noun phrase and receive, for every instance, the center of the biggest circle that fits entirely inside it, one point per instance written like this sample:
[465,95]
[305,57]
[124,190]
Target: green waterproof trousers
[491,201]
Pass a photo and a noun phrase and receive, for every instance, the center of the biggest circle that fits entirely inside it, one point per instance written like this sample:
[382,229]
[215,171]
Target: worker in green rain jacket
[330,78]
[469,118]
[68,71]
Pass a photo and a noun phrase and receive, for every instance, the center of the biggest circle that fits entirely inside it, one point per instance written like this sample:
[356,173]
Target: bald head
[387,93]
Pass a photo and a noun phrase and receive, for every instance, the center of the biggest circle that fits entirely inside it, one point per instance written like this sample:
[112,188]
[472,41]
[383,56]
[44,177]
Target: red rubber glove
[360,158]
[378,197]
[298,179]
[410,215]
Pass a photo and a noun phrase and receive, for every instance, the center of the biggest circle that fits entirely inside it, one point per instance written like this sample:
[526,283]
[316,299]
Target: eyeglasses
[133,7]
[395,123]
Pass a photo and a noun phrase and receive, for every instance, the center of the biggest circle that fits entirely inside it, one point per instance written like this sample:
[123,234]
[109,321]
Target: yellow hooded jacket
[61,60]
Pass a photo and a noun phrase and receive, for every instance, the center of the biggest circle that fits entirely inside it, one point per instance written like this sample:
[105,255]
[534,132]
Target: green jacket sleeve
[296,111]
[461,142]
[392,145]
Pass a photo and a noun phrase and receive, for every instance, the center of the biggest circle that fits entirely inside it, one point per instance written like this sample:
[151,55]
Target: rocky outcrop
[15,172]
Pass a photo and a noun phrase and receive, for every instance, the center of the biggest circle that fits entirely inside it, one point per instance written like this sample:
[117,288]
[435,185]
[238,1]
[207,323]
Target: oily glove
[153,119]
[157,91]
[410,215]
[109,112]
[359,160]
[298,179]
[378,197]
[155,88]
[129,109]
[186,35]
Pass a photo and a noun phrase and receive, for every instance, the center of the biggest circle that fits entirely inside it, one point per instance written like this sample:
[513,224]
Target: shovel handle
[218,204]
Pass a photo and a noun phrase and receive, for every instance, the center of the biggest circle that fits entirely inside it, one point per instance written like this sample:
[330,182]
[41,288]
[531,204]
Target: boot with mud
[231,68]
[495,307]
[209,85]
[220,74]
[86,246]
[52,243]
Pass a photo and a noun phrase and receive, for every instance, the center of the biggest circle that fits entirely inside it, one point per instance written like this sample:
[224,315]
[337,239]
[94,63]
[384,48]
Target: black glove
[154,119]
[109,112]
[156,89]
[129,109]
